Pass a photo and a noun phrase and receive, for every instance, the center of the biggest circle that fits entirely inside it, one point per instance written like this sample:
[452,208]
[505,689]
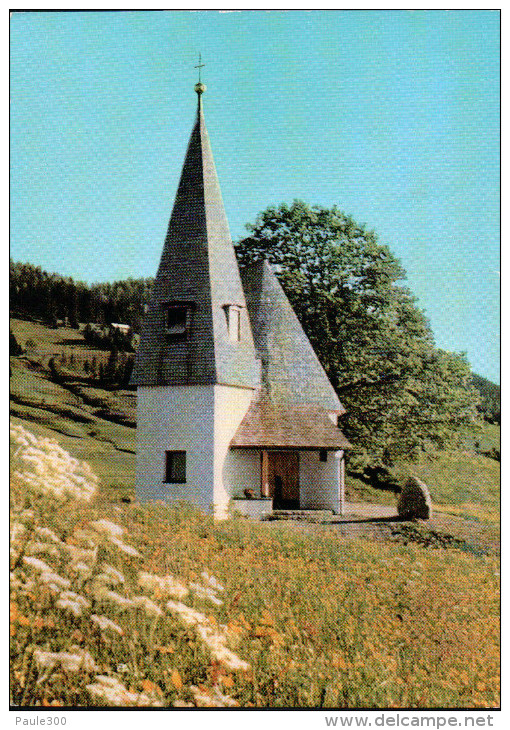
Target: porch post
[341,482]
[264,474]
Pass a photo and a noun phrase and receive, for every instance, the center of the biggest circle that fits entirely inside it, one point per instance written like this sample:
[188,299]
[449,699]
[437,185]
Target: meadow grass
[52,341]
[458,477]
[454,478]
[306,618]
[320,620]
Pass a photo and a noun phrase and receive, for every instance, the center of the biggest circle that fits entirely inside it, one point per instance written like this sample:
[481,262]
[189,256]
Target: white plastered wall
[233,470]
[200,420]
[241,470]
[321,484]
[180,418]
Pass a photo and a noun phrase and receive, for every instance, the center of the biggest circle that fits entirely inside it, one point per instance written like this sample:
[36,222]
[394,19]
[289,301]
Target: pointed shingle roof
[297,404]
[198,271]
[291,371]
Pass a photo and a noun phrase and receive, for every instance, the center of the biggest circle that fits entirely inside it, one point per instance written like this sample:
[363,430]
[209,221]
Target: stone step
[310,515]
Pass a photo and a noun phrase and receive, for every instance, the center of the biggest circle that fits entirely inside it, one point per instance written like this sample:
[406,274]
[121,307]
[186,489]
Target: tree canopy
[401,393]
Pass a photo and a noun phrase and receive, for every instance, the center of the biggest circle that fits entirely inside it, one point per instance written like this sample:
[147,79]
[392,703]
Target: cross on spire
[200,66]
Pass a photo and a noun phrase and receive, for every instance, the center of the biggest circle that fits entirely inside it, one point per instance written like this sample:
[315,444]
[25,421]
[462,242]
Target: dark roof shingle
[296,402]
[198,266]
[269,426]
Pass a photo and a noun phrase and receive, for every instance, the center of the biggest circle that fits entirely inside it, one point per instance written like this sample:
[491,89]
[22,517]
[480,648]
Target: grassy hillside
[159,606]
[91,421]
[104,422]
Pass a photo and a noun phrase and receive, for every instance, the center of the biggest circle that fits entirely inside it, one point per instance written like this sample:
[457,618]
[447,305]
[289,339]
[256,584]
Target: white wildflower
[68,605]
[187,614]
[110,575]
[80,567]
[225,699]
[120,601]
[19,580]
[43,466]
[47,533]
[86,555]
[36,548]
[208,578]
[48,575]
[37,564]
[128,549]
[217,645]
[113,692]
[167,584]
[205,592]
[54,580]
[45,661]
[204,700]
[17,530]
[105,527]
[75,597]
[104,623]
[14,581]
[67,602]
[214,640]
[151,608]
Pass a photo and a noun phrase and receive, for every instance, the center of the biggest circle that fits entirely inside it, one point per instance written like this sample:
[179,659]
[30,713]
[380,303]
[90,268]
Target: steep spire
[197,329]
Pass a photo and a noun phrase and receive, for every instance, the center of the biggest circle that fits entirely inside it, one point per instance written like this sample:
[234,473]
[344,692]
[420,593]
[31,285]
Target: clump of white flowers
[111,691]
[43,466]
[73,569]
[215,641]
[215,698]
[166,585]
[105,623]
[75,661]
[114,533]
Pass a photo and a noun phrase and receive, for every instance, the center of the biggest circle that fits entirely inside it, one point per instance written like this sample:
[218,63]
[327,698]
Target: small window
[176,320]
[323,455]
[233,315]
[175,467]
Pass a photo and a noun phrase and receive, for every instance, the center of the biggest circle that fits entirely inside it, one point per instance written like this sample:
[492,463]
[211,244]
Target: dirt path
[381,522]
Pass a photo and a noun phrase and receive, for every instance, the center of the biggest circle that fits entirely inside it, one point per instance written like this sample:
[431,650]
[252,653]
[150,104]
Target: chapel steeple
[197,330]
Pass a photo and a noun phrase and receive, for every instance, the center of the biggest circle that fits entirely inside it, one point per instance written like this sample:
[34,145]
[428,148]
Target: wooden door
[283,479]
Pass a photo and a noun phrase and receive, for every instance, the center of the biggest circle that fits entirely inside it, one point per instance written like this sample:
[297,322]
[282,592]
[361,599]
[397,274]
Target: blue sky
[391,115]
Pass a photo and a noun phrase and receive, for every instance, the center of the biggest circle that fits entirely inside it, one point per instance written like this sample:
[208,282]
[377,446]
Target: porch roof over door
[268,426]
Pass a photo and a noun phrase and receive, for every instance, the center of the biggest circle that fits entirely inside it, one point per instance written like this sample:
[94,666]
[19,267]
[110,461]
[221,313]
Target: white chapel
[235,411]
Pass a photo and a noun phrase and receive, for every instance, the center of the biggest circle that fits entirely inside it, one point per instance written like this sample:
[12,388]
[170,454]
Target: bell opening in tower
[176,320]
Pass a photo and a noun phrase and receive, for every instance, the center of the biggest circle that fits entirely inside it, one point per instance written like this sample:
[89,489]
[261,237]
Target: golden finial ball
[200,88]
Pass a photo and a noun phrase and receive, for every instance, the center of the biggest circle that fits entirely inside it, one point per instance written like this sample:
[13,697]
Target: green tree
[402,395]
[110,371]
[490,399]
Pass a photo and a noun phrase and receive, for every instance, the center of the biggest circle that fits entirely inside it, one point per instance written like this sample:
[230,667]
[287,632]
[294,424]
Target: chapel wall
[231,469]
[180,418]
[320,482]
